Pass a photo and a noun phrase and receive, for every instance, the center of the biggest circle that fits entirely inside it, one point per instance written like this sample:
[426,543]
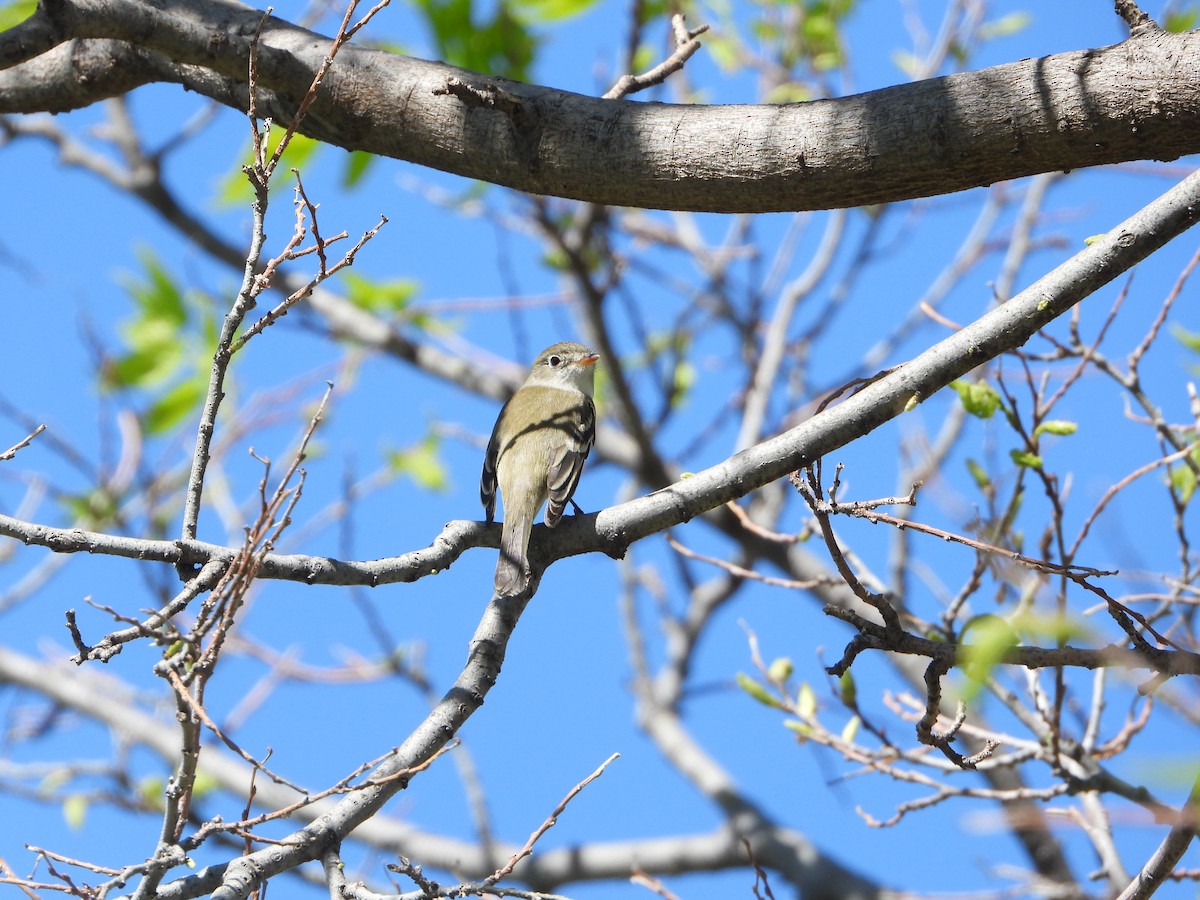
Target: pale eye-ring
[555,361]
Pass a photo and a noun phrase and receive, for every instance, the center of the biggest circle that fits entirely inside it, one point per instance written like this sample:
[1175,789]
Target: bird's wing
[578,428]
[487,478]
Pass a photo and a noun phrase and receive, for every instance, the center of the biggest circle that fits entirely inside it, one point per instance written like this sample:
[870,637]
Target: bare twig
[344,33]
[152,626]
[742,572]
[934,673]
[1041,565]
[325,272]
[1169,852]
[685,46]
[809,489]
[506,870]
[1115,489]
[1134,17]
[757,530]
[254,281]
[22,444]
[760,875]
[642,879]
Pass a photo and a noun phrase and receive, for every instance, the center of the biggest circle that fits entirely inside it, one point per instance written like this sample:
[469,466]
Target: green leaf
[502,45]
[1183,478]
[392,296]
[144,367]
[643,58]
[764,30]
[1055,426]
[421,463]
[15,13]
[724,52]
[159,296]
[825,62]
[684,378]
[1054,628]
[650,11]
[820,28]
[850,730]
[979,474]
[53,780]
[357,163]
[160,335]
[780,670]
[1025,459]
[1178,21]
[802,729]
[1005,26]
[177,404]
[1189,339]
[94,507]
[984,642]
[205,783]
[806,702]
[666,347]
[788,92]
[979,399]
[555,260]
[546,11]
[906,62]
[848,689]
[150,792]
[234,189]
[75,811]
[756,690]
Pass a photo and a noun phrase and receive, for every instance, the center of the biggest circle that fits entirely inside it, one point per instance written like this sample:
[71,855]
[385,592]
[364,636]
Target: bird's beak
[589,360]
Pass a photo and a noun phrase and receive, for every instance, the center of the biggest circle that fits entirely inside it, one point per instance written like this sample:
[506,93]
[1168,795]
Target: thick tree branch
[782,849]
[241,876]
[1005,328]
[1158,868]
[613,530]
[612,534]
[29,39]
[1134,100]
[455,538]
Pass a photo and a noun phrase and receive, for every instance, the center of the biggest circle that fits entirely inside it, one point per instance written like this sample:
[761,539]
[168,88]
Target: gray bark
[1139,99]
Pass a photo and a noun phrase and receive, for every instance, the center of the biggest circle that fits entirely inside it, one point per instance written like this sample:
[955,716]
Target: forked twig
[685,47]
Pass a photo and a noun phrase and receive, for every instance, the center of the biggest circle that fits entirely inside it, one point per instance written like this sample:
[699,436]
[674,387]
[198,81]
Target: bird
[536,452]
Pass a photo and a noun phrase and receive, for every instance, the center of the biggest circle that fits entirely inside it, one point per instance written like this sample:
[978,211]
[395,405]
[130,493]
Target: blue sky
[69,246]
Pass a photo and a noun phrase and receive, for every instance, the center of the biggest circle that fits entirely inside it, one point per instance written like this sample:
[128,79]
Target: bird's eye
[555,361]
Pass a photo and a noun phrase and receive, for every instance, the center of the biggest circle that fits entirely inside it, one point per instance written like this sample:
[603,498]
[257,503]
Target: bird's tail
[512,568]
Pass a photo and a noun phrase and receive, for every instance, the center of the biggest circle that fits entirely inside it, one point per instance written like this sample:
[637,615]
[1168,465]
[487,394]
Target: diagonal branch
[612,530]
[1168,853]
[1005,328]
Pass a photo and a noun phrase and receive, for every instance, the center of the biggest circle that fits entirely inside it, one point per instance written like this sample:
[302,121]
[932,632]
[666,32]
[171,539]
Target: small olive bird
[536,452]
